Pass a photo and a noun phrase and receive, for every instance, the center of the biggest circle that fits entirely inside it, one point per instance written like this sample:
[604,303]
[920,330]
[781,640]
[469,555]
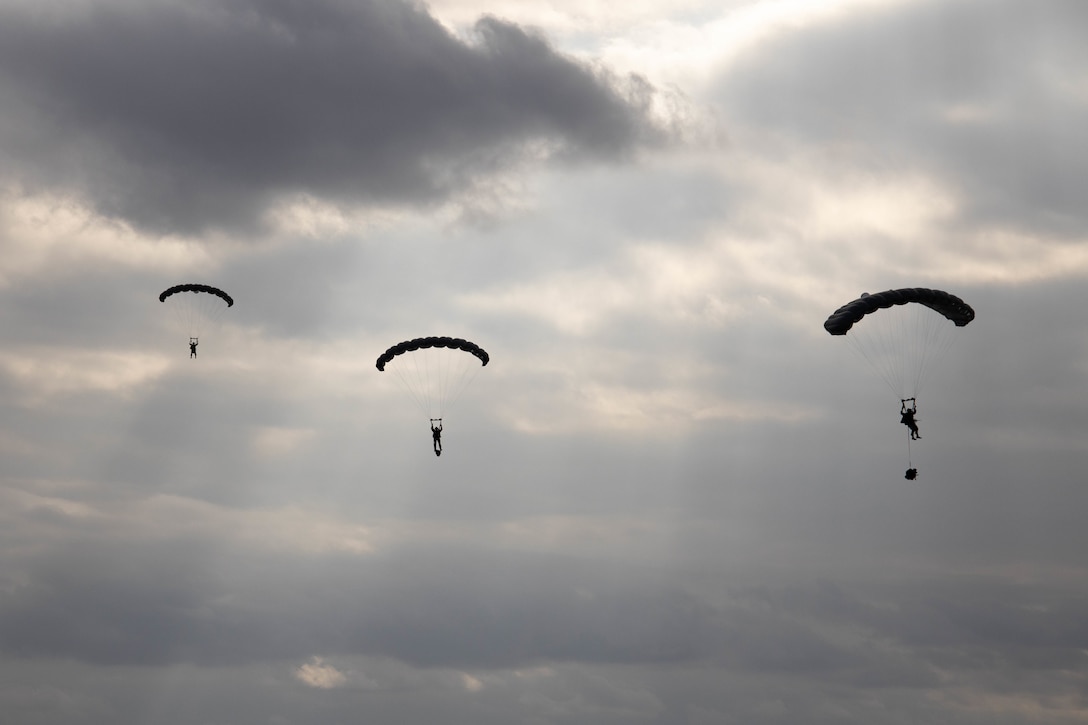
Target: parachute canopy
[197,288]
[949,305]
[434,370]
[423,343]
[901,332]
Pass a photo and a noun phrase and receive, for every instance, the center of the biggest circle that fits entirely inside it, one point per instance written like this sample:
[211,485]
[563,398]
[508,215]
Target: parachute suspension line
[442,375]
[185,314]
[435,377]
[440,365]
[437,362]
[900,345]
[193,310]
[940,336]
[431,379]
[469,370]
[412,371]
[409,375]
[878,352]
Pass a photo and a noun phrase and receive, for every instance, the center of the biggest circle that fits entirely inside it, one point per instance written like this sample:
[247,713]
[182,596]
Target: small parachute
[434,370]
[196,308]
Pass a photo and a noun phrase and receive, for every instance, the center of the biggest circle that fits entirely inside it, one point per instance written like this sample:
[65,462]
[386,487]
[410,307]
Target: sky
[670,497]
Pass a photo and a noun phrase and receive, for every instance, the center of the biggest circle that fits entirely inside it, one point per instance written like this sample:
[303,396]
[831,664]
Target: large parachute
[434,370]
[900,332]
[196,307]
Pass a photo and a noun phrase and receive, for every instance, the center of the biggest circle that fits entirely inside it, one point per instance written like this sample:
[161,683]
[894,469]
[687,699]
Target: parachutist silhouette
[436,433]
[911,474]
[907,417]
[196,305]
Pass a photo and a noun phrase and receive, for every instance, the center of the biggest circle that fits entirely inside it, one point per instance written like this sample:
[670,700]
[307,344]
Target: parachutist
[435,370]
[907,417]
[436,434]
[195,306]
[911,474]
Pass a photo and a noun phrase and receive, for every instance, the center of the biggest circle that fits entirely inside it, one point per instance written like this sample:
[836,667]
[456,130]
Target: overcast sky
[671,497]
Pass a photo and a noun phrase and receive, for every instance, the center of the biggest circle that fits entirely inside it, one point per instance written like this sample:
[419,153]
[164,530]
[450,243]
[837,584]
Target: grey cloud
[981,93]
[81,305]
[965,626]
[184,116]
[190,601]
[766,571]
[210,603]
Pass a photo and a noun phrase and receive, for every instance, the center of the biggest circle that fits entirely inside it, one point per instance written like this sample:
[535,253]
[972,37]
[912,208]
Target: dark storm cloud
[183,116]
[989,95]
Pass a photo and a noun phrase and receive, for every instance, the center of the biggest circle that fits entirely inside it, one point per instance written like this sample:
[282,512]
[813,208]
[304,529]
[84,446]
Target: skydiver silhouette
[436,434]
[192,347]
[911,474]
[907,417]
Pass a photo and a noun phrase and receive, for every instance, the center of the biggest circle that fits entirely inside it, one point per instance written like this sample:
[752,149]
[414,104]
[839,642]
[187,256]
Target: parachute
[196,307]
[434,370]
[901,332]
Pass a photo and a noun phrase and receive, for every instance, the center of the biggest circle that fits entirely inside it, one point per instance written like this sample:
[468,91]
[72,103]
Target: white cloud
[44,373]
[42,234]
[470,683]
[279,441]
[317,673]
[290,529]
